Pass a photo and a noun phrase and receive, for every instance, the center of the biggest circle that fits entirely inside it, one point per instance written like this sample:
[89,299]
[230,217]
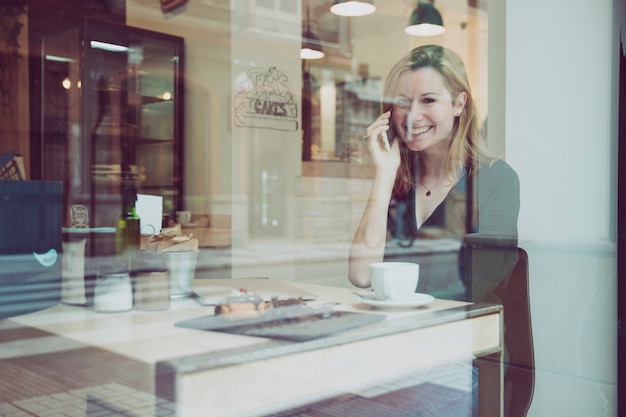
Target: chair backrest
[519,379]
[517,315]
[498,271]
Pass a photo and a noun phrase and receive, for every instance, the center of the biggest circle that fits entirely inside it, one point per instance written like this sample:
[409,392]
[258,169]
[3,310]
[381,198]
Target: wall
[560,136]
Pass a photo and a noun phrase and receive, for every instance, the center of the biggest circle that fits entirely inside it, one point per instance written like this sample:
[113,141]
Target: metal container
[182,270]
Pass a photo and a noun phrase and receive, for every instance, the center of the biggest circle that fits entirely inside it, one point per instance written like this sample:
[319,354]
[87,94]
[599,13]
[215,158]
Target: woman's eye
[428,100]
[402,102]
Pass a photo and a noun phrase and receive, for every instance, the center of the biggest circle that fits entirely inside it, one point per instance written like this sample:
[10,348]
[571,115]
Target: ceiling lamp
[353,8]
[425,20]
[311,45]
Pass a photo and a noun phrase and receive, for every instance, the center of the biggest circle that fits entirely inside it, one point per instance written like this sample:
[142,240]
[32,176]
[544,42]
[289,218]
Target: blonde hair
[467,150]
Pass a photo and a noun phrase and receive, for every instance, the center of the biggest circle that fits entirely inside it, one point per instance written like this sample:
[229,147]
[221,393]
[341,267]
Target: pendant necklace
[429,190]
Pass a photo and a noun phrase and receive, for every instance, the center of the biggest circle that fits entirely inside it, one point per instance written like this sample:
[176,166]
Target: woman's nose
[416,110]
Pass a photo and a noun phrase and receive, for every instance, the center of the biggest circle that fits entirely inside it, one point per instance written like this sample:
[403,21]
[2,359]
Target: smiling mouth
[419,130]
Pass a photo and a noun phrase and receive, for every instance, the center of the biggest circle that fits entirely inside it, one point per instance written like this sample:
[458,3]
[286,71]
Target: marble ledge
[277,348]
[270,251]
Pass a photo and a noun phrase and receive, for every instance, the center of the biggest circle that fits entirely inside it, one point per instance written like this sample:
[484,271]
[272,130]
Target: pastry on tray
[243,301]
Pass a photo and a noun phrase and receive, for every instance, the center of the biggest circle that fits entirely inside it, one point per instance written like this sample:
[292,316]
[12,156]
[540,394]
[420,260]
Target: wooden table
[202,373]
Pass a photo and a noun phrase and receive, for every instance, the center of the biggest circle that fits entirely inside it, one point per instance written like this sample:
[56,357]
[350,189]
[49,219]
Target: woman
[431,122]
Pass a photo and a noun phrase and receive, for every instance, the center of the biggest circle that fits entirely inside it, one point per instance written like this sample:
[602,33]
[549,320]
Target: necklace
[429,190]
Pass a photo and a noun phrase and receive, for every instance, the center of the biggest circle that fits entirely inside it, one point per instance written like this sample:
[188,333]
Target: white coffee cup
[394,281]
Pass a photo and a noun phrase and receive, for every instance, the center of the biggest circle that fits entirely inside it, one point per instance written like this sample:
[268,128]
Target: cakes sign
[265,99]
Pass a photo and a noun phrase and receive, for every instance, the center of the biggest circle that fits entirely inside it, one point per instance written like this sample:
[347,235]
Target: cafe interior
[230,135]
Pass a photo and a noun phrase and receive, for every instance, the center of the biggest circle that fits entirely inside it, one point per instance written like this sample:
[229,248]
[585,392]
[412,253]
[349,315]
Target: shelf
[152,141]
[145,100]
[138,140]
[154,100]
[155,187]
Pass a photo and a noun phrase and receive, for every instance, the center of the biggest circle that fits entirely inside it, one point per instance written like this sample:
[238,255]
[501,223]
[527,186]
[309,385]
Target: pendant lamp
[425,20]
[311,44]
[353,8]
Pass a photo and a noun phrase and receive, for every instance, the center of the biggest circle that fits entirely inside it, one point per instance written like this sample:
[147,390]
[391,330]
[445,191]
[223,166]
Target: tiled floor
[444,391]
[110,400]
[425,394]
[425,400]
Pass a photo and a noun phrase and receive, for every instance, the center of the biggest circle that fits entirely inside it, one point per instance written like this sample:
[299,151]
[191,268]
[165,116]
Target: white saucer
[415,300]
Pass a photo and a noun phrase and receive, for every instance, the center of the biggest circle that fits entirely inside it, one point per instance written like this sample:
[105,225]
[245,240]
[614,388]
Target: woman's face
[424,110]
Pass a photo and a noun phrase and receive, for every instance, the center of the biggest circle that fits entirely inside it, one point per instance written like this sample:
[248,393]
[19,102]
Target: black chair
[519,377]
[519,360]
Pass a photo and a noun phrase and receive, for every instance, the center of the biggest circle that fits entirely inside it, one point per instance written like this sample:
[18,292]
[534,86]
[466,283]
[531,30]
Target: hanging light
[311,44]
[353,8]
[425,20]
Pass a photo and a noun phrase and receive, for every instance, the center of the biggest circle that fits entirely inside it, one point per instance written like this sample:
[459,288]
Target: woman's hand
[386,161]
[368,244]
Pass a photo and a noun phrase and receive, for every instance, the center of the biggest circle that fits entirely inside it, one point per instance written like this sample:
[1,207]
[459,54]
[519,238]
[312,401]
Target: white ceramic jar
[113,292]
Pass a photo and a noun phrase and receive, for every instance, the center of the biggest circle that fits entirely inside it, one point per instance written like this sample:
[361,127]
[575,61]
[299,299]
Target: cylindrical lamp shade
[425,21]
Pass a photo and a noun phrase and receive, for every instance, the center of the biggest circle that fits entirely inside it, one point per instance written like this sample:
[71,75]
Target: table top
[151,336]
[208,370]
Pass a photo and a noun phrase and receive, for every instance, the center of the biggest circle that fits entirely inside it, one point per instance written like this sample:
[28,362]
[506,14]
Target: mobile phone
[385,141]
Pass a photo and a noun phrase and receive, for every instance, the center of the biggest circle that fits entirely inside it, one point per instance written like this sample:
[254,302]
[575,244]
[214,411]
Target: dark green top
[488,251]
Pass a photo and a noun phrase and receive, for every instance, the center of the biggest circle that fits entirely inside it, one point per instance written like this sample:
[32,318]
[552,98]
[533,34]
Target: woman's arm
[368,244]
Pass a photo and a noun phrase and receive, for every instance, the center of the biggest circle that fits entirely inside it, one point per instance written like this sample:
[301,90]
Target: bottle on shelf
[127,232]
